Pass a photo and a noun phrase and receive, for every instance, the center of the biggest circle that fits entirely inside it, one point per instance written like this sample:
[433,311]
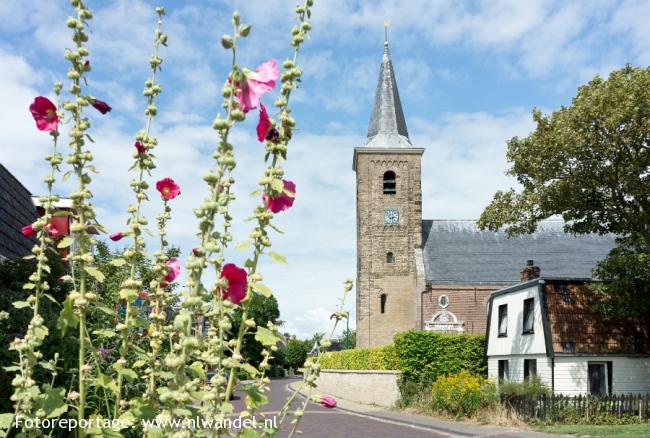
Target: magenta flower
[168,188]
[284,200]
[173,270]
[263,124]
[52,230]
[115,237]
[44,113]
[256,84]
[101,106]
[141,149]
[28,230]
[328,401]
[237,281]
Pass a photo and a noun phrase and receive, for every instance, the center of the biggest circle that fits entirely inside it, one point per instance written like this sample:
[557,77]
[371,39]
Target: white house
[546,327]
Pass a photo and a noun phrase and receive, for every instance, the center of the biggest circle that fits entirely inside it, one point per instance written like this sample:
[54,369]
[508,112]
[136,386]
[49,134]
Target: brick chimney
[529,272]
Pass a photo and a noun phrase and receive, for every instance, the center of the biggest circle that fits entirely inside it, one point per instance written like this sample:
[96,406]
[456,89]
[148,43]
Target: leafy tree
[347,336]
[260,309]
[295,352]
[589,163]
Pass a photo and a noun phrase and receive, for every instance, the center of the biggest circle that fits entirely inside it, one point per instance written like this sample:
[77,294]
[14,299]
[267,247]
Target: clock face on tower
[391,216]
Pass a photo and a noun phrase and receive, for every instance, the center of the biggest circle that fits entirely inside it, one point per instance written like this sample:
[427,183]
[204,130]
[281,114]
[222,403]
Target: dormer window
[390,183]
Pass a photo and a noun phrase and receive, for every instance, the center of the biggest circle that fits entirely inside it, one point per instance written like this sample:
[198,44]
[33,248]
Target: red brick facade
[466,302]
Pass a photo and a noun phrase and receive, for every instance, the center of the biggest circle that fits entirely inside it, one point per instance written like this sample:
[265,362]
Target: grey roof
[458,252]
[387,128]
[16,211]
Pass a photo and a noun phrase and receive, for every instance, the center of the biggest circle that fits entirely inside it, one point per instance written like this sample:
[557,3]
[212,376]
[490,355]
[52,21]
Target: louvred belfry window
[390,183]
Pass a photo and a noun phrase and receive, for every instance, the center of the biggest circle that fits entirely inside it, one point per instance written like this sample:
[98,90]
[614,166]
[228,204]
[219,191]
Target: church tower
[390,271]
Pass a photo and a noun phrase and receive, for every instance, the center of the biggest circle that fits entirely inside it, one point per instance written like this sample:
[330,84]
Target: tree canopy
[589,163]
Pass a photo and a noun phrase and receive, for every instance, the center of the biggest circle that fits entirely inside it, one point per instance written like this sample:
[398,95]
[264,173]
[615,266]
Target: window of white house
[530,368]
[529,316]
[503,320]
[504,372]
[600,378]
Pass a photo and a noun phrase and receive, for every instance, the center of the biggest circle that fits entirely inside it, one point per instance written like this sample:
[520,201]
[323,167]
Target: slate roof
[16,211]
[457,252]
[387,127]
[576,327]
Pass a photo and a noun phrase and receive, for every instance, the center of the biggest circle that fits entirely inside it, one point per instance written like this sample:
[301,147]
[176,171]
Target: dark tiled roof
[458,252]
[16,211]
[577,328]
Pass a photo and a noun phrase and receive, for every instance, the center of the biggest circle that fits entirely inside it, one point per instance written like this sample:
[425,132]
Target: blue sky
[469,74]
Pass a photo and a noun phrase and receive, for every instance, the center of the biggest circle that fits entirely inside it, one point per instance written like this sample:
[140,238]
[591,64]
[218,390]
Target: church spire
[387,128]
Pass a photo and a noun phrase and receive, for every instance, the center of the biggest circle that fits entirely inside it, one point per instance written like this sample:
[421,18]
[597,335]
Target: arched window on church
[382,302]
[390,257]
[390,183]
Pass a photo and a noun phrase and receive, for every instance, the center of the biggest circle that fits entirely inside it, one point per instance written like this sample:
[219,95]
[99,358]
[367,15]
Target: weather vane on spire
[386,26]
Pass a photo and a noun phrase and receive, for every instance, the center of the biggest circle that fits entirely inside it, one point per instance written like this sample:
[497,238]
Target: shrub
[463,394]
[378,358]
[423,356]
[530,387]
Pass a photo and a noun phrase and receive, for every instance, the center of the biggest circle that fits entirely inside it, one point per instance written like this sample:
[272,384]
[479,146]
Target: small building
[547,327]
[16,211]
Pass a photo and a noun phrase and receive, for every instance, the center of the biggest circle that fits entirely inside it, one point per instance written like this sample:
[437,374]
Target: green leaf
[65,242]
[117,262]
[243,245]
[262,289]
[29,257]
[51,298]
[250,369]
[254,397]
[6,421]
[28,286]
[52,402]
[277,229]
[197,369]
[129,374]
[61,213]
[249,433]
[11,369]
[67,318]
[266,337]
[148,232]
[105,333]
[66,176]
[95,273]
[256,193]
[105,381]
[46,365]
[277,185]
[278,258]
[20,304]
[139,363]
[105,309]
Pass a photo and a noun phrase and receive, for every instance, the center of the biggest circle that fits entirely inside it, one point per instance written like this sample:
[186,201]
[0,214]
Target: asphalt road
[320,422]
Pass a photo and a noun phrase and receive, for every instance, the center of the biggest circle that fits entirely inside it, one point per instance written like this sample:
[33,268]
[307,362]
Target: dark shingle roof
[16,211]
[458,252]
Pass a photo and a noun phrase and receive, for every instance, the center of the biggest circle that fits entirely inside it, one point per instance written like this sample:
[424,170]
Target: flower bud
[227,42]
[235,18]
[244,30]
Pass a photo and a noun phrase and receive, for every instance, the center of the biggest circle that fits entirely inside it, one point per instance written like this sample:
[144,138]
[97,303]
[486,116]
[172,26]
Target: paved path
[351,420]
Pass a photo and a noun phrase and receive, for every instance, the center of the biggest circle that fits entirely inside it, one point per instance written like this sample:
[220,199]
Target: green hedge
[422,356]
[378,358]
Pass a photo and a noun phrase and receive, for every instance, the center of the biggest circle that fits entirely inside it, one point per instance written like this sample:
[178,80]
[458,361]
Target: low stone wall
[371,387]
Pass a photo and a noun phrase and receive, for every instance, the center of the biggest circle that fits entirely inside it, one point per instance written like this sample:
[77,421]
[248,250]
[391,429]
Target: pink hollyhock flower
[28,230]
[256,84]
[168,188]
[115,237]
[52,230]
[44,113]
[284,200]
[328,401]
[141,149]
[264,123]
[237,282]
[173,270]
[101,106]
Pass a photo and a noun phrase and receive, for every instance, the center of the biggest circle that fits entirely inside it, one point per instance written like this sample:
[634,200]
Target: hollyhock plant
[168,188]
[173,270]
[44,113]
[141,149]
[101,106]
[237,282]
[28,230]
[283,201]
[328,401]
[257,83]
[116,237]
